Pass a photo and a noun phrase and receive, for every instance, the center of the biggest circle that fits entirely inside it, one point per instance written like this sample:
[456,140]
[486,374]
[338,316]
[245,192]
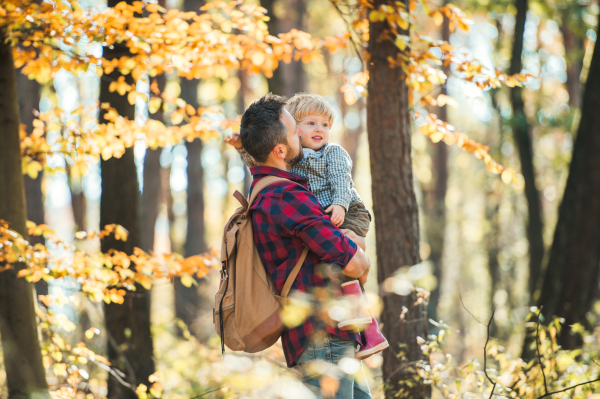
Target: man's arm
[302,216]
[358,266]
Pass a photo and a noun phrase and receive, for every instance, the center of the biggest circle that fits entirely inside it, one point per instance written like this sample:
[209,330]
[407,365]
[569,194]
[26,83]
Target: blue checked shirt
[328,172]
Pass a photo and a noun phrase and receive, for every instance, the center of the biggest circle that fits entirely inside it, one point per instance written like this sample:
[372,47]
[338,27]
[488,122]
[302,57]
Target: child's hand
[338,213]
[235,140]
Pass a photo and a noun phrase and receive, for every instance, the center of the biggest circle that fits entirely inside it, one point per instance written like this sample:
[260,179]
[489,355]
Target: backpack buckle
[224,274]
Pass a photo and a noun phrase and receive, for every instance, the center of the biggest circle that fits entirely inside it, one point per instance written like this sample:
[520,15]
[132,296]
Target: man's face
[294,149]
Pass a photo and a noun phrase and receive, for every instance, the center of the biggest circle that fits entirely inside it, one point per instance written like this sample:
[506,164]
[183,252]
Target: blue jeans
[321,358]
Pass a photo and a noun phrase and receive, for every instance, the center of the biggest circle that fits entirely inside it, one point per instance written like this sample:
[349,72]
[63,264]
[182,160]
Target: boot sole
[361,355]
[348,324]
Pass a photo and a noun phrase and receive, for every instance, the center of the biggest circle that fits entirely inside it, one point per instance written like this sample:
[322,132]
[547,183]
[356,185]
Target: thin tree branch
[485,352]
[537,340]
[469,312]
[569,388]
[207,392]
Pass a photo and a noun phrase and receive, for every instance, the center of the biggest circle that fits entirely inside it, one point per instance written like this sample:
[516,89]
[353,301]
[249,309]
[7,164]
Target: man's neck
[279,164]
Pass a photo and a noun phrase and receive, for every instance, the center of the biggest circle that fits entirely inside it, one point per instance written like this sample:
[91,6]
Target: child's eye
[311,123]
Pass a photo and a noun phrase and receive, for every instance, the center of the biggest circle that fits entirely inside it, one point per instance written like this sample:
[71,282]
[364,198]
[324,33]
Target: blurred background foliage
[475,260]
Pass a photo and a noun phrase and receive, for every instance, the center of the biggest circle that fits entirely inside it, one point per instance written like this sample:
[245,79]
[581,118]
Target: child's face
[316,131]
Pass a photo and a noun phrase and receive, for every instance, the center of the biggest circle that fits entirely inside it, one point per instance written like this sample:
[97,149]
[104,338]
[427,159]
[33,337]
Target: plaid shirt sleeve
[339,175]
[302,216]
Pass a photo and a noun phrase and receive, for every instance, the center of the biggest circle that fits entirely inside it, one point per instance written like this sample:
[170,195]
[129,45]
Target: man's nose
[300,131]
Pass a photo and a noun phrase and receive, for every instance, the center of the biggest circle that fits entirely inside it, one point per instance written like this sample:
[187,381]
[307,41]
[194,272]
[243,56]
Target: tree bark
[130,347]
[574,263]
[29,100]
[522,137]
[436,226]
[151,194]
[351,137]
[78,203]
[25,375]
[395,207]
[188,301]
[575,52]
[288,79]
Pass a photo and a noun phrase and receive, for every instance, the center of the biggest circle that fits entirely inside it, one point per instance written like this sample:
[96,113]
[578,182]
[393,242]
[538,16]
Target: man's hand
[338,213]
[235,140]
[358,240]
[358,266]
[363,279]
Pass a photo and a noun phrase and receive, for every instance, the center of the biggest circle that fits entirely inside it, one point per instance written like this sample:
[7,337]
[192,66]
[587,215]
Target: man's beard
[293,159]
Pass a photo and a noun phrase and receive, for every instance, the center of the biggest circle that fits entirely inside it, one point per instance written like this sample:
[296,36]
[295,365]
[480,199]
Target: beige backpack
[247,304]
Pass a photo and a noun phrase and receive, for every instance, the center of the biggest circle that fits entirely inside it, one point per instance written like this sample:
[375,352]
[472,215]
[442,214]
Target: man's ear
[279,151]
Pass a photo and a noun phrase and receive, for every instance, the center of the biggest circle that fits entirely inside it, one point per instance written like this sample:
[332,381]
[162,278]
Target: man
[286,217]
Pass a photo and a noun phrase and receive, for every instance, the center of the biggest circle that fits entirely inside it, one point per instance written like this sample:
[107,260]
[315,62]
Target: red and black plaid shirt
[286,216]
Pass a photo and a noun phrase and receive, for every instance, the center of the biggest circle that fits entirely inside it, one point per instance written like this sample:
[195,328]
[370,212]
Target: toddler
[327,169]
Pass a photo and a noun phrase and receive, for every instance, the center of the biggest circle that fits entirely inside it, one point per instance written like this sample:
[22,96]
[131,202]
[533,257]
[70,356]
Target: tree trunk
[574,48]
[436,227]
[149,204]
[574,263]
[351,137]
[25,376]
[395,208]
[188,301]
[130,347]
[522,137]
[29,100]
[78,203]
[288,79]
[243,76]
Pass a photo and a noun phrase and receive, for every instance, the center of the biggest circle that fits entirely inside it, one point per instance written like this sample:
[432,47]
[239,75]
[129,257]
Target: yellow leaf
[437,16]
[131,97]
[154,104]
[89,334]
[507,176]
[350,97]
[188,280]
[258,58]
[400,43]
[402,22]
[176,118]
[33,168]
[23,273]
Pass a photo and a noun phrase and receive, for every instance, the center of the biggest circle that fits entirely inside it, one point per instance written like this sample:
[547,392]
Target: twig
[472,315]
[569,388]
[207,392]
[350,30]
[113,373]
[485,352]
[537,340]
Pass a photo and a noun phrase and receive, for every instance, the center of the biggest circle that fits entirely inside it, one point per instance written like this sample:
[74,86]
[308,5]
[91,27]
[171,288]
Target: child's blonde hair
[301,105]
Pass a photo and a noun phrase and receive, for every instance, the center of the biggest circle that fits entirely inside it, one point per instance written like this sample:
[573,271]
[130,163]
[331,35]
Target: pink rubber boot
[360,317]
[376,342]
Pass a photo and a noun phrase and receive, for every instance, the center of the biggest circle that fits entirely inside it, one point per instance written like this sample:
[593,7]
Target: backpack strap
[261,185]
[292,277]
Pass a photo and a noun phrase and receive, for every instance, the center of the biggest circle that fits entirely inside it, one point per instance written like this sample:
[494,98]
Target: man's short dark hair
[261,128]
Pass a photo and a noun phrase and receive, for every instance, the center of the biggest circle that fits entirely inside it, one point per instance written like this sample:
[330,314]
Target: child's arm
[339,175]
[236,141]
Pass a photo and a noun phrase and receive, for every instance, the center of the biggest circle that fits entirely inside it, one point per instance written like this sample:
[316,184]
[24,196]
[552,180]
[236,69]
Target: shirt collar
[308,153]
[262,171]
